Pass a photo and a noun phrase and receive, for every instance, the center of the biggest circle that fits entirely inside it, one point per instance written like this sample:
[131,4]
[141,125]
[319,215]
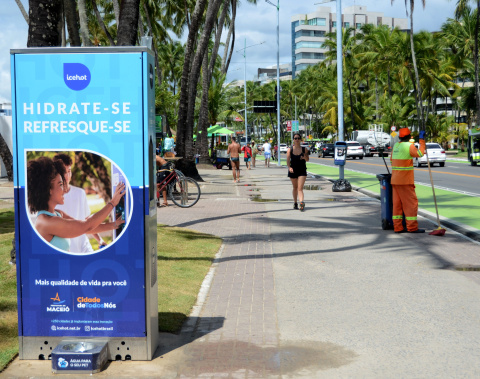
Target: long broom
[439,231]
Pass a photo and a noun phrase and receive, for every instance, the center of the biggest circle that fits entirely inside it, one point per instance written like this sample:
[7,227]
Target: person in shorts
[254,153]
[247,157]
[234,152]
[267,153]
[297,158]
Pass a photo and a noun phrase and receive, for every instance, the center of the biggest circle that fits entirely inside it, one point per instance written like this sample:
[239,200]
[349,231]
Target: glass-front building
[309,31]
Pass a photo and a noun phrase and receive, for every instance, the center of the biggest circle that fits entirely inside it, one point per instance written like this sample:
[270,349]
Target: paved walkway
[324,293]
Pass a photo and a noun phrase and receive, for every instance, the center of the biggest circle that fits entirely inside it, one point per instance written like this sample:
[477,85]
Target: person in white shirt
[267,152]
[76,206]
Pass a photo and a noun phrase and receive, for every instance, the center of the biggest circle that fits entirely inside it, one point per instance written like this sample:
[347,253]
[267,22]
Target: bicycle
[188,192]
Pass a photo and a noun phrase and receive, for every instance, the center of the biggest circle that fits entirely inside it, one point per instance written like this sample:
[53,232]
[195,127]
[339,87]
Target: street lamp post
[340,79]
[341,170]
[245,83]
[278,76]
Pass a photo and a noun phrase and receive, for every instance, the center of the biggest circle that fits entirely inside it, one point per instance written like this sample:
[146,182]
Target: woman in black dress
[297,158]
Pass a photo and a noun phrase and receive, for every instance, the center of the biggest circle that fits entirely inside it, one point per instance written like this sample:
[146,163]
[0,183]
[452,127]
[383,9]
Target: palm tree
[170,56]
[459,11]
[350,62]
[417,89]
[458,38]
[378,54]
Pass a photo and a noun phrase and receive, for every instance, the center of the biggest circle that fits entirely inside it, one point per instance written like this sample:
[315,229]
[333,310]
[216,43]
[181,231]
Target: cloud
[13,35]
[254,24]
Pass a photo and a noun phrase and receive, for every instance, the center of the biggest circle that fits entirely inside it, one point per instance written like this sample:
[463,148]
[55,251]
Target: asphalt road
[456,176]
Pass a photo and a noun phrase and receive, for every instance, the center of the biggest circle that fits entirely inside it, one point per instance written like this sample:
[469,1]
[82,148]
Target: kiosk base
[79,357]
[119,349]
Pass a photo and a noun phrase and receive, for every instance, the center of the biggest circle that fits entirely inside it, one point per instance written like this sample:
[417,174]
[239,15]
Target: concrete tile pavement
[349,299]
[320,293]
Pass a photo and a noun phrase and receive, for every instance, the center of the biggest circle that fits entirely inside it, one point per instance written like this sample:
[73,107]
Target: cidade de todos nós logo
[76,76]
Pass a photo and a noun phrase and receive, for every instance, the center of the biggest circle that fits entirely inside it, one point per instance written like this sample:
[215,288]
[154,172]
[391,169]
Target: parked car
[327,150]
[354,150]
[283,147]
[436,154]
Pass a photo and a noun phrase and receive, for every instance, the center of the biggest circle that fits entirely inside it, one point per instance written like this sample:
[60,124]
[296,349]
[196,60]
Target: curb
[191,322]
[458,227]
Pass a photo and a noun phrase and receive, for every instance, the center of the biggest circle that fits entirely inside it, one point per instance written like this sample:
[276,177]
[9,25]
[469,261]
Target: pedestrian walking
[247,156]
[267,153]
[234,151]
[403,188]
[297,158]
[254,153]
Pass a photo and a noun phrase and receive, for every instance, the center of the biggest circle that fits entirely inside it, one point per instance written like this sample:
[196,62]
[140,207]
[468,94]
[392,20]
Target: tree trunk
[43,23]
[154,46]
[7,158]
[203,120]
[82,14]
[202,126]
[22,10]
[116,11]
[231,29]
[102,24]
[61,26]
[183,101]
[73,24]
[231,51]
[128,25]
[212,11]
[389,85]
[351,103]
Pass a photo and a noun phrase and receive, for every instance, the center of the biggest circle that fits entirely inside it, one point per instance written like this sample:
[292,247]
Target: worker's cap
[403,132]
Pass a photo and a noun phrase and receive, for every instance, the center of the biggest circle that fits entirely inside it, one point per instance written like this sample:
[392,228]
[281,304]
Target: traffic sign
[295,125]
[393,128]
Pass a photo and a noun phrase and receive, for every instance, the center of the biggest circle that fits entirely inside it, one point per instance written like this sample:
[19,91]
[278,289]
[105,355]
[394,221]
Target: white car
[283,147]
[354,150]
[436,154]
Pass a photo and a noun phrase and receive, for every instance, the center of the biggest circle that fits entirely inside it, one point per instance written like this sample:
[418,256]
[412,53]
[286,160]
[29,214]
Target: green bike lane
[462,210]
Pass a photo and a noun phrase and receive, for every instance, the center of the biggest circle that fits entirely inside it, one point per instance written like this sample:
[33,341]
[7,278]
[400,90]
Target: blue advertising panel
[89,107]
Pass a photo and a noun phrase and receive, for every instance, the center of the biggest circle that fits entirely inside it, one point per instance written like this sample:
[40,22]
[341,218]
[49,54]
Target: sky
[254,24]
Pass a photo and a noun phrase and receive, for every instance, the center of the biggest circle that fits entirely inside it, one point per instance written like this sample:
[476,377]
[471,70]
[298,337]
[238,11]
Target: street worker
[404,198]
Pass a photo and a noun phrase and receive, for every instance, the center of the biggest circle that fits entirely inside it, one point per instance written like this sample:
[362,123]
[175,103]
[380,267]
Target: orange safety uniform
[404,197]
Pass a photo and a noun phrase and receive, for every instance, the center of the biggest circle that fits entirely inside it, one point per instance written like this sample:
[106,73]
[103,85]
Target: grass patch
[7,220]
[8,303]
[461,154]
[455,206]
[184,258]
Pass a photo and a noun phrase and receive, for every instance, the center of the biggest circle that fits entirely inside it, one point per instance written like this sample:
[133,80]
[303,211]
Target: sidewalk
[324,293]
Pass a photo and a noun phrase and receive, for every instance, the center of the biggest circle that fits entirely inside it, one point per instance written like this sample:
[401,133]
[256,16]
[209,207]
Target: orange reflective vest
[402,162]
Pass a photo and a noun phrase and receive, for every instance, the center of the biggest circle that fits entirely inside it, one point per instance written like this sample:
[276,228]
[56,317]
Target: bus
[473,145]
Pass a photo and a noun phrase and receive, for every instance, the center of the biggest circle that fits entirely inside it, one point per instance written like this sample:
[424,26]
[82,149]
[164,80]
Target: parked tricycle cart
[222,159]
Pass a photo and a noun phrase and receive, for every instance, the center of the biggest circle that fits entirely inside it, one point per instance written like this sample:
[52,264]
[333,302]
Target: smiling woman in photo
[45,184]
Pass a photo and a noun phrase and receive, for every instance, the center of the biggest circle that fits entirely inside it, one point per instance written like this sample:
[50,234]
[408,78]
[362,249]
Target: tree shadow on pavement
[193,329]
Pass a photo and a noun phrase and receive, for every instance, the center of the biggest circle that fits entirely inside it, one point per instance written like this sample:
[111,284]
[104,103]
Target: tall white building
[309,30]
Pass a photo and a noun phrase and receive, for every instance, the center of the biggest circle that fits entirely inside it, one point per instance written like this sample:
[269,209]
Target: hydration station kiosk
[96,105]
